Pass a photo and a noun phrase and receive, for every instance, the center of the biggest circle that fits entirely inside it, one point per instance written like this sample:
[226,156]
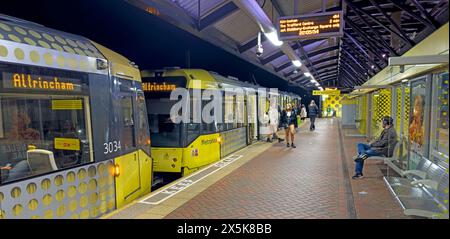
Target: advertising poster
[418,101]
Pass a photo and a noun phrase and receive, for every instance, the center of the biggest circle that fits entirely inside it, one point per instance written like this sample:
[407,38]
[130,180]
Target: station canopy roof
[373,31]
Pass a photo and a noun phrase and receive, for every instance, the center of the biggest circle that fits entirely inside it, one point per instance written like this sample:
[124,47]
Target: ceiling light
[313,80]
[383,55]
[273,37]
[307,74]
[405,80]
[295,71]
[373,67]
[317,84]
[297,63]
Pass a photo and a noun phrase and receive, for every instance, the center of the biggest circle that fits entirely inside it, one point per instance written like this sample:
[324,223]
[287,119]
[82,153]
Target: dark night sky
[141,37]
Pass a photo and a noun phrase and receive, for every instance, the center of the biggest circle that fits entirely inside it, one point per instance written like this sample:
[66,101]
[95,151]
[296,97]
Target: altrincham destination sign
[320,25]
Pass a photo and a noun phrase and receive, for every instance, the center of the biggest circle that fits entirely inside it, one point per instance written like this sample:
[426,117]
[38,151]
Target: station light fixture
[273,37]
[317,84]
[295,71]
[383,55]
[405,80]
[313,80]
[307,74]
[297,63]
[373,67]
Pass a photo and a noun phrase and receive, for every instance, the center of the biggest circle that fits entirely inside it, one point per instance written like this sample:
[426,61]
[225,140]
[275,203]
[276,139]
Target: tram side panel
[72,139]
[120,135]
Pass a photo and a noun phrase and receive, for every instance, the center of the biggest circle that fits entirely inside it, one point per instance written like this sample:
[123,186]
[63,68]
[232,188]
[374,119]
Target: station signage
[320,25]
[326,92]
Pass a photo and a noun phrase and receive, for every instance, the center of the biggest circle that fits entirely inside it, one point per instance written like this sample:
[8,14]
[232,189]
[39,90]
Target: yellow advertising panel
[67,144]
[67,105]
[326,92]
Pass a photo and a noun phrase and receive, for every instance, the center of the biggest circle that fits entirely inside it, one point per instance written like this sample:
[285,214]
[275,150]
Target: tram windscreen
[44,121]
[163,132]
[56,125]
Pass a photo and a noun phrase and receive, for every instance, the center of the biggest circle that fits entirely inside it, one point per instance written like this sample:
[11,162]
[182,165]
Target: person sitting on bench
[383,146]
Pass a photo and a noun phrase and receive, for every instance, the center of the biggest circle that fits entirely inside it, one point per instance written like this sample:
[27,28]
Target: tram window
[240,108]
[2,133]
[192,129]
[126,104]
[163,132]
[125,111]
[42,134]
[440,119]
[229,114]
[209,128]
[143,134]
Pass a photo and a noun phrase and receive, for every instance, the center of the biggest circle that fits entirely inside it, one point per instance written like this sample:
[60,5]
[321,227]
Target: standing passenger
[303,112]
[289,122]
[274,116]
[313,113]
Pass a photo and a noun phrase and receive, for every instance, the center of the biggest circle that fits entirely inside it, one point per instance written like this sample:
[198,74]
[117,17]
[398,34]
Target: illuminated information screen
[311,26]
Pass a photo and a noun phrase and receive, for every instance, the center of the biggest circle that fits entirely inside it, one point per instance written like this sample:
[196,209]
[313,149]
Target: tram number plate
[111,147]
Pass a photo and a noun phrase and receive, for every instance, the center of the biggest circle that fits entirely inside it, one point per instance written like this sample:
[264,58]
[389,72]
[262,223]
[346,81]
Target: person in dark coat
[313,113]
[383,146]
[289,123]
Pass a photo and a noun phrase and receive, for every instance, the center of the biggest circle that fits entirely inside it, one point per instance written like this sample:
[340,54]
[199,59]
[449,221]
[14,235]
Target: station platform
[269,180]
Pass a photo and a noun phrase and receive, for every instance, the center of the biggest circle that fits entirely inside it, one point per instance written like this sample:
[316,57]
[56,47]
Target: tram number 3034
[111,147]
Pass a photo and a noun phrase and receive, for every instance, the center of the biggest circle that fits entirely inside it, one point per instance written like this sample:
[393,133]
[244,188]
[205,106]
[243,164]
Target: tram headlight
[219,140]
[116,170]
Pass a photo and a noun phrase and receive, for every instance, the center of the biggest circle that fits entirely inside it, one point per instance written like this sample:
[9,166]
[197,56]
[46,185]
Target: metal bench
[420,194]
[419,173]
[396,162]
[393,158]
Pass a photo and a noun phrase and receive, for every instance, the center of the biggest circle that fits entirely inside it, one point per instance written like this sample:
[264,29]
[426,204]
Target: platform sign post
[311,26]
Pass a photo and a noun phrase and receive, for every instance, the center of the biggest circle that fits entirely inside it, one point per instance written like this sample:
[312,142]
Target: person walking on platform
[303,112]
[383,146]
[289,122]
[313,112]
[274,116]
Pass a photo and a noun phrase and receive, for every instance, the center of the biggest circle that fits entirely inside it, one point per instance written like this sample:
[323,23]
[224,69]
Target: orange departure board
[320,25]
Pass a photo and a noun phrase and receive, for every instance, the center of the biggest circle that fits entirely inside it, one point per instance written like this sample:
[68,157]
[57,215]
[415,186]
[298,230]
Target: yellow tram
[183,148]
[179,149]
[74,140]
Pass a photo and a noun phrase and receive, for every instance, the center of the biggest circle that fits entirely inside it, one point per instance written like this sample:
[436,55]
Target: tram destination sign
[320,25]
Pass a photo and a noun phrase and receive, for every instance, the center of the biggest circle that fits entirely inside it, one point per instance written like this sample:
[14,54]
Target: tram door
[251,119]
[135,167]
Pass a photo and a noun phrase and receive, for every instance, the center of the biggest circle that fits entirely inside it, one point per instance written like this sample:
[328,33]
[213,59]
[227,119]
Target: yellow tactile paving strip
[137,210]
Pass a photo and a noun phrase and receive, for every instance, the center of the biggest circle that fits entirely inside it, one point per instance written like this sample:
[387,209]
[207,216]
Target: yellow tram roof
[26,42]
[206,79]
